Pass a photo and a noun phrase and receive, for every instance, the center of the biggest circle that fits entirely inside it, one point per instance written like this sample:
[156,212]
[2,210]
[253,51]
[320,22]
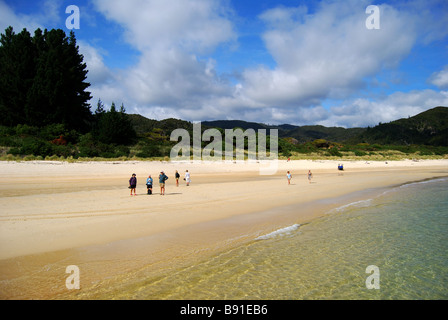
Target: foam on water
[279,232]
[356,204]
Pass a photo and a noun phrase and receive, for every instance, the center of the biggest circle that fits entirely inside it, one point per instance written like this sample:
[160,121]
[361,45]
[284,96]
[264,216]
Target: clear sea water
[403,232]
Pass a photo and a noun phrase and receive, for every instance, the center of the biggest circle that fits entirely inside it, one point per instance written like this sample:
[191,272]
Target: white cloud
[364,112]
[192,26]
[18,21]
[173,78]
[171,38]
[327,54]
[99,73]
[440,79]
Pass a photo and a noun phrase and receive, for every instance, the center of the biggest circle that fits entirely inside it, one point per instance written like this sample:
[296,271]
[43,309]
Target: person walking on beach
[288,176]
[187,178]
[162,179]
[133,183]
[177,175]
[310,176]
[149,182]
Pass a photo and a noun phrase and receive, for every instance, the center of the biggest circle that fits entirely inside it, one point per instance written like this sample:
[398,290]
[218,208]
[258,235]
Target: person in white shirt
[187,177]
[289,176]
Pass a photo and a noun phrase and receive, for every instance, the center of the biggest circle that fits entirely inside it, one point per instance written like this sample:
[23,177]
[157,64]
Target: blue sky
[291,61]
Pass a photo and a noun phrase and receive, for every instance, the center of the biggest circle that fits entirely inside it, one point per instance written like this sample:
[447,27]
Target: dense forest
[44,100]
[43,80]
[46,114]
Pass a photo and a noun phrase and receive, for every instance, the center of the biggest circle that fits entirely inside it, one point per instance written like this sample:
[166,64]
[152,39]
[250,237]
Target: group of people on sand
[289,176]
[163,177]
[162,181]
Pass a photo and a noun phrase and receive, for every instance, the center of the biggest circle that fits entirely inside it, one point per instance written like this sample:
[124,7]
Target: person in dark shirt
[133,183]
[177,175]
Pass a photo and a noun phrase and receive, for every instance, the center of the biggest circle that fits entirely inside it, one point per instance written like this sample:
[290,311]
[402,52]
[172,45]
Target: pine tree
[99,108]
[58,93]
[17,53]
[43,80]
[114,127]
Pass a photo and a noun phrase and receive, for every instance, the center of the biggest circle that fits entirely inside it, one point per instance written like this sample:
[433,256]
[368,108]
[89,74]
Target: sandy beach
[56,214]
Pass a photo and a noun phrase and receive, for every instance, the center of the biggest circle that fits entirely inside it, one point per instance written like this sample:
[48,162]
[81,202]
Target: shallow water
[402,232]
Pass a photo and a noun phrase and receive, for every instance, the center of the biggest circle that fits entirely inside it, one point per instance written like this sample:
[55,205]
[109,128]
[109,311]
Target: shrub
[321,143]
[26,130]
[52,131]
[32,146]
[149,151]
[334,152]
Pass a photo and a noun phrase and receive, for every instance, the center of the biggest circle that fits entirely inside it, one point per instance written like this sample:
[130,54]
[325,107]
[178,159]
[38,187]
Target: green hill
[301,133]
[427,128]
[231,124]
[425,134]
[144,125]
[335,134]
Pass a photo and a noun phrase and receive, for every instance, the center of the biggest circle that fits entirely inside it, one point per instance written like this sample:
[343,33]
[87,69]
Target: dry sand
[55,214]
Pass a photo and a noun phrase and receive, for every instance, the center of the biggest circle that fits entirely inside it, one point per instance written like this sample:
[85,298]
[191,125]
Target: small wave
[356,204]
[283,231]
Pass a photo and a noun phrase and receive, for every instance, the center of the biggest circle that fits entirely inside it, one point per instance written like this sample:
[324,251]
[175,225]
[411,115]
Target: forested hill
[301,133]
[427,128]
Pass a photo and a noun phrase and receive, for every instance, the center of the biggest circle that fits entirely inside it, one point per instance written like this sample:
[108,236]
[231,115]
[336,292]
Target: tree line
[43,86]
[43,79]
